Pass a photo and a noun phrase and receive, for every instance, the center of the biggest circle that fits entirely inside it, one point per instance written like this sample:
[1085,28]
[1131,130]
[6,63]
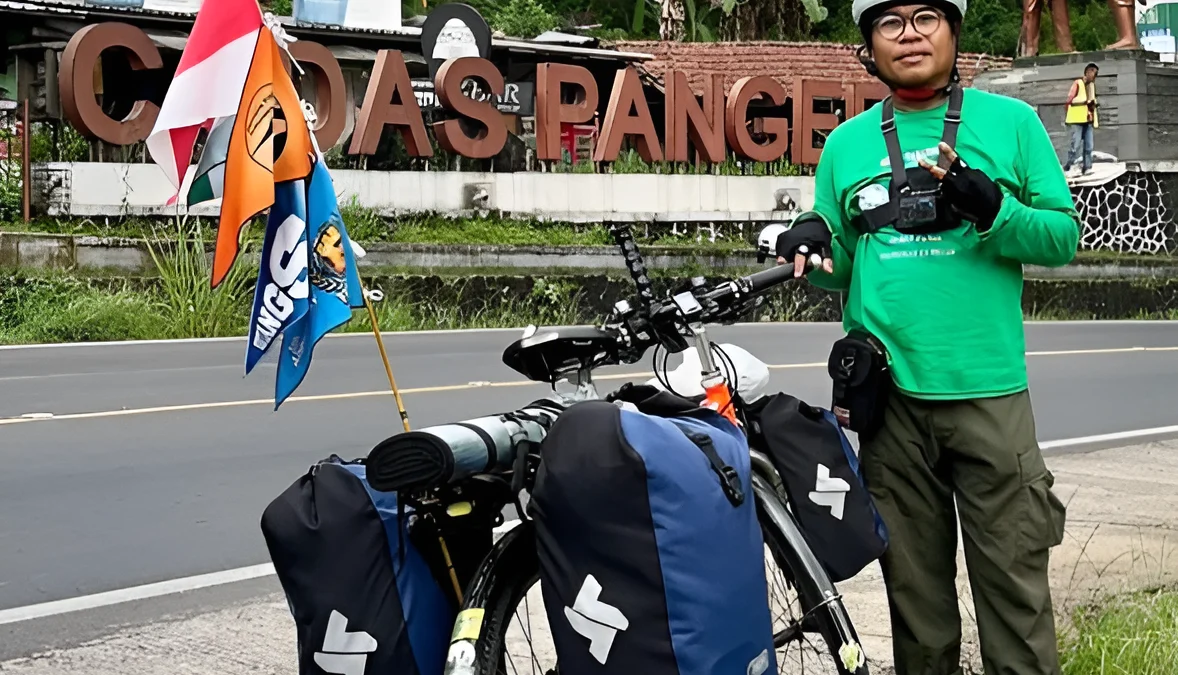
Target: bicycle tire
[834,624]
[509,570]
[512,568]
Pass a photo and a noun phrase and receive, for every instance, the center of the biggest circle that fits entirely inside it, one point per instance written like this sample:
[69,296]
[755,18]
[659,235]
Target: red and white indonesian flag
[208,82]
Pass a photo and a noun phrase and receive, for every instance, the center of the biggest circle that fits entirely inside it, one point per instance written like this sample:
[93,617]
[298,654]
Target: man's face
[913,46]
[1090,75]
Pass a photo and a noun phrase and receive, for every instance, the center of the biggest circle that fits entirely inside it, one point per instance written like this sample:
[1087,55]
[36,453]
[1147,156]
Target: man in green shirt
[928,248]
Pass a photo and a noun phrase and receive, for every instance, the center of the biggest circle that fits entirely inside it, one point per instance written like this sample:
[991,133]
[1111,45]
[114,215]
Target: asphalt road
[161,457]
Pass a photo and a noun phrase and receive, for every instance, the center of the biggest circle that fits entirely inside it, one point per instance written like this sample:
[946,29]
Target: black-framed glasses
[924,21]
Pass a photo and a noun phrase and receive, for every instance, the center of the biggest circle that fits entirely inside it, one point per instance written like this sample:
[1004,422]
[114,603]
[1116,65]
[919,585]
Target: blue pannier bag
[362,596]
[651,556]
[820,470]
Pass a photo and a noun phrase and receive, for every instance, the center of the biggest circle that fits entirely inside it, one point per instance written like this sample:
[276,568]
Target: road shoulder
[1121,536]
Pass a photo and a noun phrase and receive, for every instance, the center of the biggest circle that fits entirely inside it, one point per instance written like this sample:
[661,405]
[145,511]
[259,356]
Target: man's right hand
[807,244]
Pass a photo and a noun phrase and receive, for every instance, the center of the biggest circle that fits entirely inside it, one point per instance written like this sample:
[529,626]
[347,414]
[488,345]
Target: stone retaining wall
[89,254]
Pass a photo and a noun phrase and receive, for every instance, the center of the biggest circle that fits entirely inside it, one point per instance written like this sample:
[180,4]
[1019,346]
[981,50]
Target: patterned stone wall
[1135,213]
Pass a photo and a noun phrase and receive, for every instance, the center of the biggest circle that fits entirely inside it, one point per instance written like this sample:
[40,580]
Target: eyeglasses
[924,21]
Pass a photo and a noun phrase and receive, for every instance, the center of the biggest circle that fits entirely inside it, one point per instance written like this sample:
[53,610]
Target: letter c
[75,81]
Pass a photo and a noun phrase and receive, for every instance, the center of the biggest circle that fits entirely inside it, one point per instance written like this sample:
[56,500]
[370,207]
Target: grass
[53,307]
[1132,634]
[176,300]
[368,226]
[69,310]
[549,304]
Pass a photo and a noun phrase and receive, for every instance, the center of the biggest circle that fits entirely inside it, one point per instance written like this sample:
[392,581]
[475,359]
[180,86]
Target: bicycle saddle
[544,356]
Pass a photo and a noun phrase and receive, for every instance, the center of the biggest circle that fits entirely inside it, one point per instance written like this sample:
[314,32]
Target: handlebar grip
[768,278]
[624,238]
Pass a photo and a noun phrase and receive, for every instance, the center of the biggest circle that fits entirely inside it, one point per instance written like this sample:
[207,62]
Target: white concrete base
[107,189]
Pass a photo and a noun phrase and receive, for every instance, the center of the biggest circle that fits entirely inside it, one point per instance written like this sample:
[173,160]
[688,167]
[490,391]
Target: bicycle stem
[703,347]
[717,395]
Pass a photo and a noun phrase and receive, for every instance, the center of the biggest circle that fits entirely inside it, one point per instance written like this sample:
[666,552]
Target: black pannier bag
[651,556]
[362,596]
[826,492]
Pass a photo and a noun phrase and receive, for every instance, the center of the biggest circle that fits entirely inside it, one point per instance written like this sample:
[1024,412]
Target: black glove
[971,194]
[805,238]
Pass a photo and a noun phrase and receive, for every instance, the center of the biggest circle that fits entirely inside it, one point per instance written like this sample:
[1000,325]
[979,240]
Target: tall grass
[194,307]
[1133,634]
[68,310]
[550,304]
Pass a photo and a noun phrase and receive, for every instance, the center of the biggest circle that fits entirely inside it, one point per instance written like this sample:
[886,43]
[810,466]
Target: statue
[1028,39]
[1126,23]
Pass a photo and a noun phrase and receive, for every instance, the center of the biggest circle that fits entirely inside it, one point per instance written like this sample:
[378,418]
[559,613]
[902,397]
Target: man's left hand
[969,192]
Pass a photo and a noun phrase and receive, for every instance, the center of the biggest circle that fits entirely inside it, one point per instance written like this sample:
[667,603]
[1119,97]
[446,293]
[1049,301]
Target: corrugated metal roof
[76,8]
[556,36]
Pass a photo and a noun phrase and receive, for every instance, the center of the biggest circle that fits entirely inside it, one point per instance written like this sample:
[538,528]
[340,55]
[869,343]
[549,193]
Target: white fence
[107,189]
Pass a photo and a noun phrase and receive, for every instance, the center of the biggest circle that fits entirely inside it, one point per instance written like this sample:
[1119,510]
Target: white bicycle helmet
[865,12]
[859,7]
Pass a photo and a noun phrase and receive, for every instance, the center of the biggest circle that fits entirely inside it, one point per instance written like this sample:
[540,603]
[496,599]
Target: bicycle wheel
[480,645]
[820,609]
[510,579]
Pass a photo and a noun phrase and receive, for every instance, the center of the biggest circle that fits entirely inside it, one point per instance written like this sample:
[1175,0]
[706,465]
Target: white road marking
[293,399]
[392,334]
[241,338]
[472,385]
[122,595]
[146,591]
[1107,438]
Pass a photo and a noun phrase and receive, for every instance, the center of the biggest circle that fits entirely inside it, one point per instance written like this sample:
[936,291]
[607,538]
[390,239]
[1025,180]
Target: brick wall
[784,61]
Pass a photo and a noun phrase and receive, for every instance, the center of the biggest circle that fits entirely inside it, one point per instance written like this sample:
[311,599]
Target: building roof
[91,14]
[783,61]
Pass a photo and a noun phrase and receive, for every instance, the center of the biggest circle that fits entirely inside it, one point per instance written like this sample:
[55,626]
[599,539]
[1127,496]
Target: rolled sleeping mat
[446,453]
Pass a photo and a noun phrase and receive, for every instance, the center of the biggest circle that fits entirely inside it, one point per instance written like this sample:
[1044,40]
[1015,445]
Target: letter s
[288,260]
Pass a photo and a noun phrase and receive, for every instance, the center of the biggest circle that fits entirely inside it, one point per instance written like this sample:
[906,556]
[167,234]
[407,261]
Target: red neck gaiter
[916,95]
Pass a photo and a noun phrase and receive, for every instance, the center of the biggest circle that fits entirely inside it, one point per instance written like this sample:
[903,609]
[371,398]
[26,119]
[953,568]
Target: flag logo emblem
[262,127]
[329,263]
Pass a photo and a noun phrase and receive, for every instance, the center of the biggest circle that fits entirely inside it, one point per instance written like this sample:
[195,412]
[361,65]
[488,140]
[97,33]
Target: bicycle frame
[768,489]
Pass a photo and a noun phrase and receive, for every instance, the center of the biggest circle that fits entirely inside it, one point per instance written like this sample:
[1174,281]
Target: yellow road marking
[471,386]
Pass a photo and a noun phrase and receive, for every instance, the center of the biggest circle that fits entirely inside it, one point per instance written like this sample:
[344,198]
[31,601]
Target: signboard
[519,98]
[362,14]
[745,118]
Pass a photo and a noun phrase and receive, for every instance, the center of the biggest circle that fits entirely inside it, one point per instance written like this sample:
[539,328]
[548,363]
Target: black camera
[920,207]
[918,211]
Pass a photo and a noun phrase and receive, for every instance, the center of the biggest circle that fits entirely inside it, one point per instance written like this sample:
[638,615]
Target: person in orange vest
[1082,117]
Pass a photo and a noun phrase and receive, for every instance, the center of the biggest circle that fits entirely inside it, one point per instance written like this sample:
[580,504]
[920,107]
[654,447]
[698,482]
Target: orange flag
[270,144]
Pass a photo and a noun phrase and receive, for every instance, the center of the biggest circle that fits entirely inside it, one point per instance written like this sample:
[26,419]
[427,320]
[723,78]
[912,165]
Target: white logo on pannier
[759,665]
[830,492]
[344,653]
[595,620]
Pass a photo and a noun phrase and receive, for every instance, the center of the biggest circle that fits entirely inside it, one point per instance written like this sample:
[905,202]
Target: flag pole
[385,358]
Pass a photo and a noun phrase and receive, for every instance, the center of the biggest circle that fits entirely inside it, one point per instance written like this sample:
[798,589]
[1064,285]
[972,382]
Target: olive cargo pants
[981,454]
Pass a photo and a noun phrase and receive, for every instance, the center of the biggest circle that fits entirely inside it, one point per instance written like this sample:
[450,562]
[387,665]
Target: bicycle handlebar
[766,279]
[448,453]
[660,322]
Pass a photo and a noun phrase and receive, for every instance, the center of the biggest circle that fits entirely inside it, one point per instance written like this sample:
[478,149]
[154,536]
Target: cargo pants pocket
[1044,515]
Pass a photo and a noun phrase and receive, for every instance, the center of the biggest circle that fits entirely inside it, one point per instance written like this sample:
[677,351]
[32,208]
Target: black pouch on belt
[858,366]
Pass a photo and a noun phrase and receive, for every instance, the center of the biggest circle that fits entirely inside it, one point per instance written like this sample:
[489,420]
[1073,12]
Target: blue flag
[283,287]
[334,283]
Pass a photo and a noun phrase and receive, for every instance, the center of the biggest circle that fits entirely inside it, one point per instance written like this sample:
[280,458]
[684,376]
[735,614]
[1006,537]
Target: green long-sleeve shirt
[947,306]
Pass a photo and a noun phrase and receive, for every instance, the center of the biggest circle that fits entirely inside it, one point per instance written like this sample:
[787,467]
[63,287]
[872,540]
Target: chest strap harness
[914,196]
